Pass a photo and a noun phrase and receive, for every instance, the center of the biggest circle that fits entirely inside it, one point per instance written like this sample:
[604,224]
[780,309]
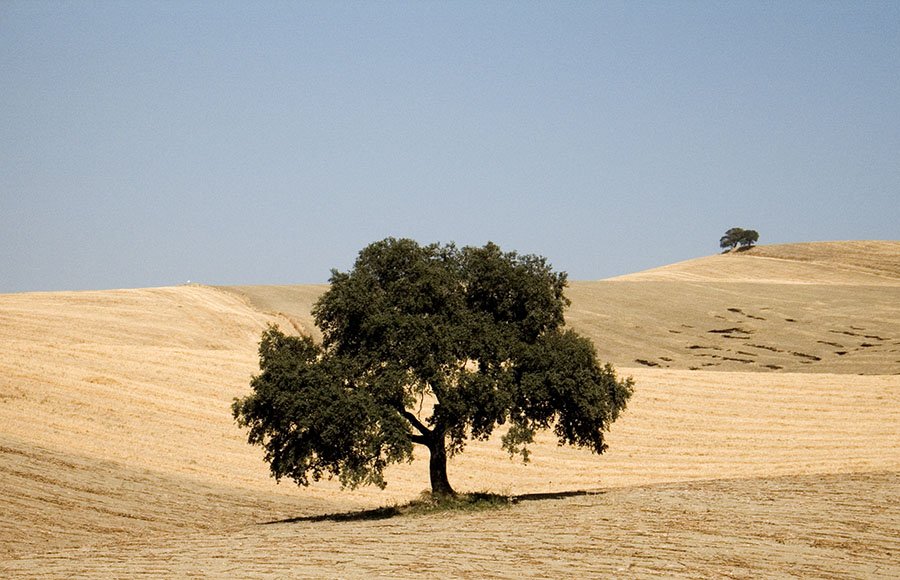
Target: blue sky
[151,143]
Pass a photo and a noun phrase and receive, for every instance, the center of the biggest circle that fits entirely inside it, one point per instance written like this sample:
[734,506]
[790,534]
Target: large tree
[427,345]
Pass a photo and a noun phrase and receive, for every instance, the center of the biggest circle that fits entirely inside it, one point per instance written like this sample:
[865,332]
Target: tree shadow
[465,502]
[737,250]
[553,495]
[381,513]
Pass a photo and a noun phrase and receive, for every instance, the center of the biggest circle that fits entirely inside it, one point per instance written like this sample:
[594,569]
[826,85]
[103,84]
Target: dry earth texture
[119,457]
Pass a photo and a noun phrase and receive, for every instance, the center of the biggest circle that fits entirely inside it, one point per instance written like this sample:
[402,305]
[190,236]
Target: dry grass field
[762,439]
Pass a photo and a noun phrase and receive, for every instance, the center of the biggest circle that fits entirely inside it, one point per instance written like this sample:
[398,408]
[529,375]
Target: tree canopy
[430,345]
[735,237]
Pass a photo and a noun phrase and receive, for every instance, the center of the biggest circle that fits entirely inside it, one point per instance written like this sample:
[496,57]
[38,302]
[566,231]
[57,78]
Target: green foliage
[478,331]
[735,237]
[311,418]
[748,238]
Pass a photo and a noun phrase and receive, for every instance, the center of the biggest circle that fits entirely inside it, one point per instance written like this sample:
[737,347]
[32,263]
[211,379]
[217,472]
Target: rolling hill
[762,438]
[828,307]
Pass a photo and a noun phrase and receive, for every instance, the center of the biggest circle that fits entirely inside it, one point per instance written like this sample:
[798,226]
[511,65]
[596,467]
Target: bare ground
[833,526]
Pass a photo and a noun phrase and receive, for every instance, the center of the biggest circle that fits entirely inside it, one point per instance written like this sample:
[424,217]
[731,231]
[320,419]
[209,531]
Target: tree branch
[420,427]
[420,439]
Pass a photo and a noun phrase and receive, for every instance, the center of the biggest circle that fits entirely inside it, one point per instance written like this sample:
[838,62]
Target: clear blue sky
[151,143]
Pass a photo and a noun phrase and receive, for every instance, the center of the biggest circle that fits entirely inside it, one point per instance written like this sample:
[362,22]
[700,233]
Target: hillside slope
[831,307]
[856,263]
[114,416]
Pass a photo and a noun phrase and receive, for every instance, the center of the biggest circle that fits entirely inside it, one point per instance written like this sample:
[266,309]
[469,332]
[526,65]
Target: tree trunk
[440,485]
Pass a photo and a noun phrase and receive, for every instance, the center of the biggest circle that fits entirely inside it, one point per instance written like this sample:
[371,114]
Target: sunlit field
[762,438]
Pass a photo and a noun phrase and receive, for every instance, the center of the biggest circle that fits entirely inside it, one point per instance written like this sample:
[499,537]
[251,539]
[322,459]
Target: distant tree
[429,345]
[748,238]
[735,237]
[731,238]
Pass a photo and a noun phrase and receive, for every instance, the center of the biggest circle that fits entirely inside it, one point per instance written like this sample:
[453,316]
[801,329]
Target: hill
[831,307]
[863,263]
[119,457]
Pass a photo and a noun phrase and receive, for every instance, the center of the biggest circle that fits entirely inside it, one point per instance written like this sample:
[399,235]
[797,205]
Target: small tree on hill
[475,331]
[748,238]
[735,237]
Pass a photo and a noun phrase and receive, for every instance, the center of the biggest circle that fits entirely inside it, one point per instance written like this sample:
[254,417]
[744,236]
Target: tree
[748,238]
[738,236]
[432,346]
[731,238]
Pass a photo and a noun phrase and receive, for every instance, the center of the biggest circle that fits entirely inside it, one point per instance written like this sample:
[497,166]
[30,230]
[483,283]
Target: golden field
[762,439]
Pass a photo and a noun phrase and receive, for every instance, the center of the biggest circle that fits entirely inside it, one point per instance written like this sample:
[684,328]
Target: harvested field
[802,526]
[119,457]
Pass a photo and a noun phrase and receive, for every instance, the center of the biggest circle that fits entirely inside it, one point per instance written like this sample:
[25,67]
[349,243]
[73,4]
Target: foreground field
[833,526]
[118,455]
